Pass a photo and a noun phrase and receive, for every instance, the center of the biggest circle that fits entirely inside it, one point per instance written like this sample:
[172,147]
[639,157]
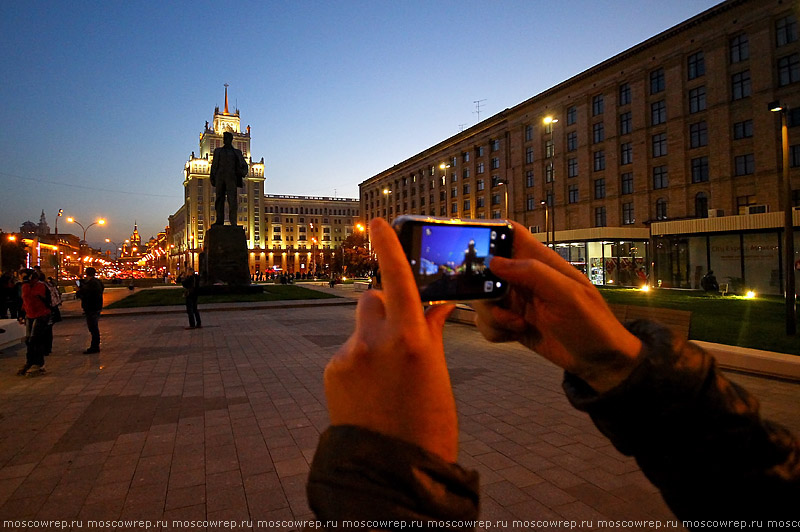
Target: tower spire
[226,99]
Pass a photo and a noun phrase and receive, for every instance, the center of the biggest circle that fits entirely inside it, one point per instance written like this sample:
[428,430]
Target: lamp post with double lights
[100,221]
[116,248]
[549,121]
[788,222]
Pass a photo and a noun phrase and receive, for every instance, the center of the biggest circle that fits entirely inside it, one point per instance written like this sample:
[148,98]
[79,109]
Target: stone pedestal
[224,258]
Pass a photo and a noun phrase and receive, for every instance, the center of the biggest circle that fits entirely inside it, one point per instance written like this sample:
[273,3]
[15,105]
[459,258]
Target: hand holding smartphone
[450,257]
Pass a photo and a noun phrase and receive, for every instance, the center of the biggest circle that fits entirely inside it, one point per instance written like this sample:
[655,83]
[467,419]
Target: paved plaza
[221,423]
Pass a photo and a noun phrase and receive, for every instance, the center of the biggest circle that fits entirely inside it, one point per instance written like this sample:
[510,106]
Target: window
[494,145]
[599,160]
[786,30]
[479,151]
[624,94]
[599,188]
[549,148]
[740,85]
[788,69]
[549,173]
[794,156]
[701,205]
[479,201]
[700,170]
[625,123]
[743,130]
[658,112]
[600,217]
[573,193]
[572,115]
[479,184]
[742,202]
[495,163]
[465,157]
[627,213]
[572,167]
[657,83]
[479,168]
[661,209]
[495,181]
[660,177]
[597,105]
[549,198]
[696,65]
[598,132]
[528,133]
[626,153]
[548,128]
[465,188]
[496,214]
[530,204]
[465,173]
[626,183]
[495,199]
[744,164]
[659,145]
[572,141]
[698,135]
[454,192]
[454,208]
[529,155]
[697,100]
[740,48]
[529,178]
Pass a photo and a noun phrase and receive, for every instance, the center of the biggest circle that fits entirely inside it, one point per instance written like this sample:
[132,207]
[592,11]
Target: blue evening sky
[103,102]
[444,244]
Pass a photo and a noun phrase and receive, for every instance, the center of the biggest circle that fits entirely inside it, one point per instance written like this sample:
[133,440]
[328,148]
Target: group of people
[34,299]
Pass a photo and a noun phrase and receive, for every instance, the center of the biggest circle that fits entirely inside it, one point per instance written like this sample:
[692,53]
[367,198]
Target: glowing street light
[100,221]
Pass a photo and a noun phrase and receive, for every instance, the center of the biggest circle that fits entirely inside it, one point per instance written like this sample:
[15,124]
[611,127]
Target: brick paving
[222,422]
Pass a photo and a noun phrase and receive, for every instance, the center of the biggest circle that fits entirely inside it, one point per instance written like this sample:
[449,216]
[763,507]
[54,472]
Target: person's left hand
[390,376]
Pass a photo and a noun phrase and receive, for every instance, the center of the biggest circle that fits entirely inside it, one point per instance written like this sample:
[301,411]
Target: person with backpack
[35,302]
[53,301]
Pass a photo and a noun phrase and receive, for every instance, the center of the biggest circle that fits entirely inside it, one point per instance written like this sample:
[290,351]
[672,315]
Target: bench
[678,321]
[360,286]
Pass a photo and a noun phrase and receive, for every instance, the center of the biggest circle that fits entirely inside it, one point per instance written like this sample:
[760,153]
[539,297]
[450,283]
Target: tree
[353,255]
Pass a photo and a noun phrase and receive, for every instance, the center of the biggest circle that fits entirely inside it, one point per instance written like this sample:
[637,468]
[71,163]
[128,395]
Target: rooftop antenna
[461,127]
[478,104]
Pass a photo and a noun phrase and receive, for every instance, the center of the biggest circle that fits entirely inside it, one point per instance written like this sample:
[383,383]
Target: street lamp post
[72,220]
[546,223]
[58,246]
[788,223]
[549,121]
[116,250]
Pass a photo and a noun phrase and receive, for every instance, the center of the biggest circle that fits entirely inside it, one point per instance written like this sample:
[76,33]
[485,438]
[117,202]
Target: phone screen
[450,261]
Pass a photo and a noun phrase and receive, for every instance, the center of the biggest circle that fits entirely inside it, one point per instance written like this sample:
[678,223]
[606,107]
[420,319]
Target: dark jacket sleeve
[697,436]
[361,479]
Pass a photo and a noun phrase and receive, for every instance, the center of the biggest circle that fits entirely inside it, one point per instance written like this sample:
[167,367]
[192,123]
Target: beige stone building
[675,128]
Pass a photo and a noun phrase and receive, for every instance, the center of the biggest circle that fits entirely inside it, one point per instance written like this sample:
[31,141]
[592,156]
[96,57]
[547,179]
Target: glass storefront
[743,261]
[618,263]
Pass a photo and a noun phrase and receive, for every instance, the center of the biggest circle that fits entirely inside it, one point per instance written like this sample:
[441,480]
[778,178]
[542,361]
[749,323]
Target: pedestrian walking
[35,301]
[191,291]
[90,292]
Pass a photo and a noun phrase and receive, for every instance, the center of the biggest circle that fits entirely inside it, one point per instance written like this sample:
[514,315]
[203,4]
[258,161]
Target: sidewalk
[221,422]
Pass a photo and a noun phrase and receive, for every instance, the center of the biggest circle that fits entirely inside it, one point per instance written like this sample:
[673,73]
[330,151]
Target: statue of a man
[227,171]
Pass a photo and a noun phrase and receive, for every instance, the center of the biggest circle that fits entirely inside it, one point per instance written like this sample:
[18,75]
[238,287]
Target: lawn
[759,323]
[174,296]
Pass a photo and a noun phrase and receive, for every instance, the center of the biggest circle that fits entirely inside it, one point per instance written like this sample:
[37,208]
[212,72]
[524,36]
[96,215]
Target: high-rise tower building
[190,223]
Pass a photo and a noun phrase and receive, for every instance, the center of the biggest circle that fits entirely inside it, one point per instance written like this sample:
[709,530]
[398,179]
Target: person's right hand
[553,309]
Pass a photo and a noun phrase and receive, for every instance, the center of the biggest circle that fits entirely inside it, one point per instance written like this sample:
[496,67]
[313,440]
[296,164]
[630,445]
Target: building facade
[677,127]
[198,212]
[304,231]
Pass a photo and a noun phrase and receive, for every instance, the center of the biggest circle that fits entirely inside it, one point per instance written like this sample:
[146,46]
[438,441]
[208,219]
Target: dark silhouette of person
[470,256]
[227,170]
[709,282]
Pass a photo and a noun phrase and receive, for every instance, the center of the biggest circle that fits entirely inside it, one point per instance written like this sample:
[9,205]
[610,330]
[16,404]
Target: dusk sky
[105,100]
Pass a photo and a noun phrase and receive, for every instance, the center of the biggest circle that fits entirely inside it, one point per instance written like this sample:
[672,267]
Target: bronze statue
[227,172]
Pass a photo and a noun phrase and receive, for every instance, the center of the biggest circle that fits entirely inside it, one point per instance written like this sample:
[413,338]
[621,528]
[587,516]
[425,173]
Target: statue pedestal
[224,259]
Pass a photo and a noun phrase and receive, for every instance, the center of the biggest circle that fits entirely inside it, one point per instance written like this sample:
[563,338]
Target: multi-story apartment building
[601,165]
[303,231]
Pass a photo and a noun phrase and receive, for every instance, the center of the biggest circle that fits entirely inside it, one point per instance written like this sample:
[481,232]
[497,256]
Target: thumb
[437,315]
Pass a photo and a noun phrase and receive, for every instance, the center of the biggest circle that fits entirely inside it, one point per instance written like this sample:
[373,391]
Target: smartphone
[450,257]
[78,282]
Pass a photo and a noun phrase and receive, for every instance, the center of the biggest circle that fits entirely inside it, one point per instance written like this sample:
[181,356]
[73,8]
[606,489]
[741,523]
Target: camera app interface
[452,262]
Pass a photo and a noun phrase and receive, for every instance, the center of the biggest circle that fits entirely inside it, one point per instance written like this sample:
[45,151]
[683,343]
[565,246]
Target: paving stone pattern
[222,422]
